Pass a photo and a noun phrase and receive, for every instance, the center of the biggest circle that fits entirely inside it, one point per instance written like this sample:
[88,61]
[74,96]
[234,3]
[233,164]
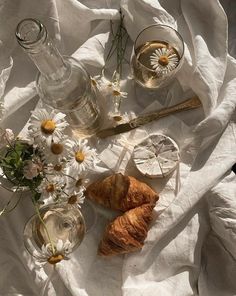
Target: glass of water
[55,232]
[157,56]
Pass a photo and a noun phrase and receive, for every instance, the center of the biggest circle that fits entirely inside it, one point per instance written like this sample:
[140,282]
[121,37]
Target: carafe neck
[33,38]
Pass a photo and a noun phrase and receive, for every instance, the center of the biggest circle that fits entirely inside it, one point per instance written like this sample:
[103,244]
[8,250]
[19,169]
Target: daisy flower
[46,126]
[53,255]
[76,184]
[57,168]
[104,85]
[164,60]
[56,151]
[101,83]
[118,118]
[80,156]
[116,93]
[117,96]
[76,198]
[52,187]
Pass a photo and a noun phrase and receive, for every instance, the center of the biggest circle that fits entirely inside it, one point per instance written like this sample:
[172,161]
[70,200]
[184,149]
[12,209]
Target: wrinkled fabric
[190,248]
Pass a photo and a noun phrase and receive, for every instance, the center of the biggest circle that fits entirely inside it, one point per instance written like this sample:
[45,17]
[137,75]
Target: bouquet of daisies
[47,162]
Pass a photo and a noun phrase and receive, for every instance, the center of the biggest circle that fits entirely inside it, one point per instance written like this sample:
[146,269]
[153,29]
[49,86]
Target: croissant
[127,232]
[119,192]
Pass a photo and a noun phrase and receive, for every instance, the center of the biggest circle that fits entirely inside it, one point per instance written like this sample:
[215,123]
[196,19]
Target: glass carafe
[62,82]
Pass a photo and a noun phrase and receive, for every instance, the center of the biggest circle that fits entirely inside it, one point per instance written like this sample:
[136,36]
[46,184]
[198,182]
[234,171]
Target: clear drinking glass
[157,56]
[63,222]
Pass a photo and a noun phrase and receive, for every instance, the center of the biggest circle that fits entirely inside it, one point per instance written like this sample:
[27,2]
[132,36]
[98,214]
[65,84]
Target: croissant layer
[128,232]
[119,192]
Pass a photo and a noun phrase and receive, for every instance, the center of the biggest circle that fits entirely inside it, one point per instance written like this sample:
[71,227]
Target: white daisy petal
[59,245]
[59,116]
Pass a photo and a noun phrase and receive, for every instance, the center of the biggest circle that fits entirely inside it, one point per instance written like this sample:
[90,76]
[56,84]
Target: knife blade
[188,104]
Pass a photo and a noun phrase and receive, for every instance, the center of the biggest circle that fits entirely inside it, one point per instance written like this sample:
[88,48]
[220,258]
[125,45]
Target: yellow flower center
[50,188]
[79,156]
[163,60]
[57,148]
[72,199]
[58,167]
[116,93]
[117,118]
[55,258]
[48,127]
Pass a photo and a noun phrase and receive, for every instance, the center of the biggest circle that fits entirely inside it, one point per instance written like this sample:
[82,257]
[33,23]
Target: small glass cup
[63,222]
[157,56]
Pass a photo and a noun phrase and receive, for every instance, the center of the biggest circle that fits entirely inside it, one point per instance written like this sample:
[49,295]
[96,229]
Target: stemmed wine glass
[157,56]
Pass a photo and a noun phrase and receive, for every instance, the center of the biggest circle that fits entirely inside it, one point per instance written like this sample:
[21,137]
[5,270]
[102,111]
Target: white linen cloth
[190,248]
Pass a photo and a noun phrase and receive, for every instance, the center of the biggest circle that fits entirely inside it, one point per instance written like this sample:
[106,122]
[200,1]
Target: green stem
[4,211]
[43,223]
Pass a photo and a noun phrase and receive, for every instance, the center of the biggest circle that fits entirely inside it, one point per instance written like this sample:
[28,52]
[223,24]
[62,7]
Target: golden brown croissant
[119,192]
[127,232]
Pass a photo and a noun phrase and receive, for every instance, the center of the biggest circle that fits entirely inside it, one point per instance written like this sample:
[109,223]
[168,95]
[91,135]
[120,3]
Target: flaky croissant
[127,232]
[119,192]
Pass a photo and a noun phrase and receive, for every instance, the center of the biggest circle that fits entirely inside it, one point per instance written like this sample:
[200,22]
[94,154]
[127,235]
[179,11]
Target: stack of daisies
[53,166]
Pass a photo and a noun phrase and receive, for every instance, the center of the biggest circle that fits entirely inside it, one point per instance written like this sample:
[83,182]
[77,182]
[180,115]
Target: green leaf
[37,196]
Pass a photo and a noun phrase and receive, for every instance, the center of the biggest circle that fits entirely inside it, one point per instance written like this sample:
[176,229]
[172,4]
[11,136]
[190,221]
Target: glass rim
[40,34]
[158,25]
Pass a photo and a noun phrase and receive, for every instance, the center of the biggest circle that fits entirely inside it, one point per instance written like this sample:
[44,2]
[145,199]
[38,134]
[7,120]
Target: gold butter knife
[191,103]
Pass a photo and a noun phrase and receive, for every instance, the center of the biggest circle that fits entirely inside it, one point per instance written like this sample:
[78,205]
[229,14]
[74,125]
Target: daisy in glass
[47,126]
[80,156]
[53,254]
[164,60]
[76,183]
[52,187]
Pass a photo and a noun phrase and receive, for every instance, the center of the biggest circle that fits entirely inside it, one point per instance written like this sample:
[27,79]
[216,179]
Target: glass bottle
[62,82]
